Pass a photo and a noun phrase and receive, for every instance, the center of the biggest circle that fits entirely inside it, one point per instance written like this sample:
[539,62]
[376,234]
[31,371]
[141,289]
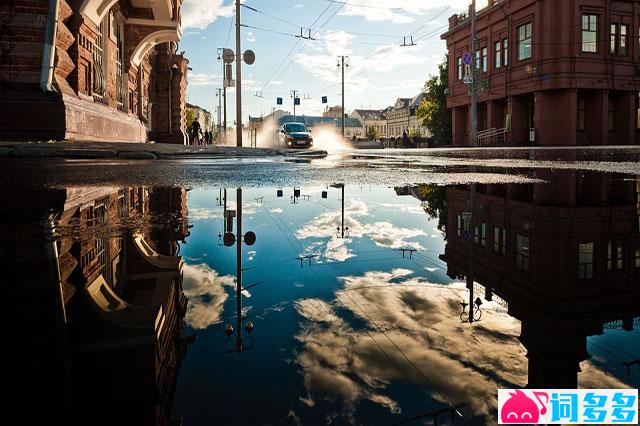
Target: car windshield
[295,127]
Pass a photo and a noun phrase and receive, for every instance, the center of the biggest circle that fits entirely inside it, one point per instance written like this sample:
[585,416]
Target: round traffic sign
[249,57]
[229,239]
[250,238]
[466,58]
[228,56]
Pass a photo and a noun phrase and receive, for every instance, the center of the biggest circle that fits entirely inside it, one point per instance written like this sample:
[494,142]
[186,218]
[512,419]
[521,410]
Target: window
[522,253]
[99,77]
[637,255]
[480,234]
[478,59]
[590,33]
[614,37]
[498,54]
[485,59]
[581,113]
[458,225]
[615,256]
[505,52]
[623,44]
[460,69]
[585,261]
[524,41]
[499,240]
[121,93]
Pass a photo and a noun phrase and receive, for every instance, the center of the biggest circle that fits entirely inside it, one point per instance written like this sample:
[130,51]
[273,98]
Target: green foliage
[433,110]
[414,133]
[191,117]
[372,133]
[434,203]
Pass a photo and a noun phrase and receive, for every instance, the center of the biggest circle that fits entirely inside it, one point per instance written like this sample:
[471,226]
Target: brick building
[99,70]
[96,315]
[564,255]
[552,73]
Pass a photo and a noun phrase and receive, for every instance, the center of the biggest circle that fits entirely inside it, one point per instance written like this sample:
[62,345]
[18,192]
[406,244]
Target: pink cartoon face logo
[519,408]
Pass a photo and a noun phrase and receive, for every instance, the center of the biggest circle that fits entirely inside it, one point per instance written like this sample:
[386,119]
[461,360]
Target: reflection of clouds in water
[204,288]
[423,319]
[277,210]
[466,364]
[202,213]
[383,234]
[403,208]
[251,254]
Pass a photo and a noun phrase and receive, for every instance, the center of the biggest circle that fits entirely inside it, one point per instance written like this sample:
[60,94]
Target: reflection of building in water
[564,255]
[99,312]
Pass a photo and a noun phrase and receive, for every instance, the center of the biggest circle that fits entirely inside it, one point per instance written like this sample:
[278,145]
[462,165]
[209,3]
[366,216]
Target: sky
[369,32]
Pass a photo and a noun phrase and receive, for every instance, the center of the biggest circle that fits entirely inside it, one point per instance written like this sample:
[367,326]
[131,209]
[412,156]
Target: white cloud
[400,11]
[201,13]
[201,79]
[204,288]
[298,6]
[251,37]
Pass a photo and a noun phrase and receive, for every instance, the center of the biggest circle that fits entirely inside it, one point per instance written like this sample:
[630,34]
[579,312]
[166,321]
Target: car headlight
[289,142]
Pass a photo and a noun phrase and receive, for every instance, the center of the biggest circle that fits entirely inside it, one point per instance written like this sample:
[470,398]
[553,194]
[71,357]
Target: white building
[371,119]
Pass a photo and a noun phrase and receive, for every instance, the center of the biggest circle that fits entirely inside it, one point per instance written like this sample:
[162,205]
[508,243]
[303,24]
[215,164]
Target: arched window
[99,77]
[121,77]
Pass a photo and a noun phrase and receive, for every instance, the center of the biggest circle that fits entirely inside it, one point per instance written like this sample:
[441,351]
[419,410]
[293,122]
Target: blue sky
[370,32]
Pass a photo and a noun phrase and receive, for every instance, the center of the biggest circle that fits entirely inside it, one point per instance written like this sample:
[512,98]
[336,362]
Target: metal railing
[492,137]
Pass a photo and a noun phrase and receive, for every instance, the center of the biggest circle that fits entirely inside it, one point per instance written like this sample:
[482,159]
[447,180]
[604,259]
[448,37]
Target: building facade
[371,119]
[333,112]
[550,73]
[402,117]
[96,70]
[202,116]
[565,255]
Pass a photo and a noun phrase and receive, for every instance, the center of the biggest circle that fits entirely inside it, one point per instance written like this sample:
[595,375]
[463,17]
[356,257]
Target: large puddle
[329,303]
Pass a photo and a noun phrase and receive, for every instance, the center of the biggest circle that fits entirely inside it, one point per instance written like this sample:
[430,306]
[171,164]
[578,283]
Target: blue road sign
[296,101]
[279,101]
[324,100]
[466,58]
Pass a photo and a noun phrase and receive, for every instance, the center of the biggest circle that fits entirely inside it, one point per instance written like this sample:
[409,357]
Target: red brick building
[98,70]
[566,69]
[565,255]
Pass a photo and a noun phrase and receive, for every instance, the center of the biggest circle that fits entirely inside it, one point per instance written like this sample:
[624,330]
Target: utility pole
[341,64]
[294,95]
[239,77]
[223,134]
[219,95]
[474,144]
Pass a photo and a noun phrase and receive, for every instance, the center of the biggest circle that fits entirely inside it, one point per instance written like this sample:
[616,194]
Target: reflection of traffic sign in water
[466,58]
[466,235]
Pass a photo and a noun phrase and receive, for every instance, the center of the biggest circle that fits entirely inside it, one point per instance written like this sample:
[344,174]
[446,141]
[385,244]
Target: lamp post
[229,240]
[343,61]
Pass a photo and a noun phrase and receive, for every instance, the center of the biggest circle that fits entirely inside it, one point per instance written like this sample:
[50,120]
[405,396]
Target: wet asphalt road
[355,167]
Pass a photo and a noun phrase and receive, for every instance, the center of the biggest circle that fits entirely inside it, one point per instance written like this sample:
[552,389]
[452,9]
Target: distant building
[371,119]
[92,70]
[552,73]
[333,112]
[203,117]
[402,117]
[353,127]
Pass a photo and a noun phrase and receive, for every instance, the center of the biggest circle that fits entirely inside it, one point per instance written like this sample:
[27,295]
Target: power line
[269,15]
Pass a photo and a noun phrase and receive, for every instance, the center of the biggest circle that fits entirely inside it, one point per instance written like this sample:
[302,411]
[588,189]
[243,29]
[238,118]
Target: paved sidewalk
[140,151]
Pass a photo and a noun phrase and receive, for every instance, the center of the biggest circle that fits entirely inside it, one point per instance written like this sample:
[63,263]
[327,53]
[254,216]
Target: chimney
[453,21]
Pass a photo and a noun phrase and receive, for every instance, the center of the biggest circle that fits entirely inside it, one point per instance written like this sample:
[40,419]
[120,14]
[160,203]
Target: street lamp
[240,344]
[343,232]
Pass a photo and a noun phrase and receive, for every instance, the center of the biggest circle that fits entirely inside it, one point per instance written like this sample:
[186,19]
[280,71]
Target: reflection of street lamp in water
[476,312]
[343,232]
[229,240]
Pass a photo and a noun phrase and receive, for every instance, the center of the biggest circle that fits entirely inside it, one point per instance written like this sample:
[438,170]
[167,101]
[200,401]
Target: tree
[191,117]
[433,110]
[372,134]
